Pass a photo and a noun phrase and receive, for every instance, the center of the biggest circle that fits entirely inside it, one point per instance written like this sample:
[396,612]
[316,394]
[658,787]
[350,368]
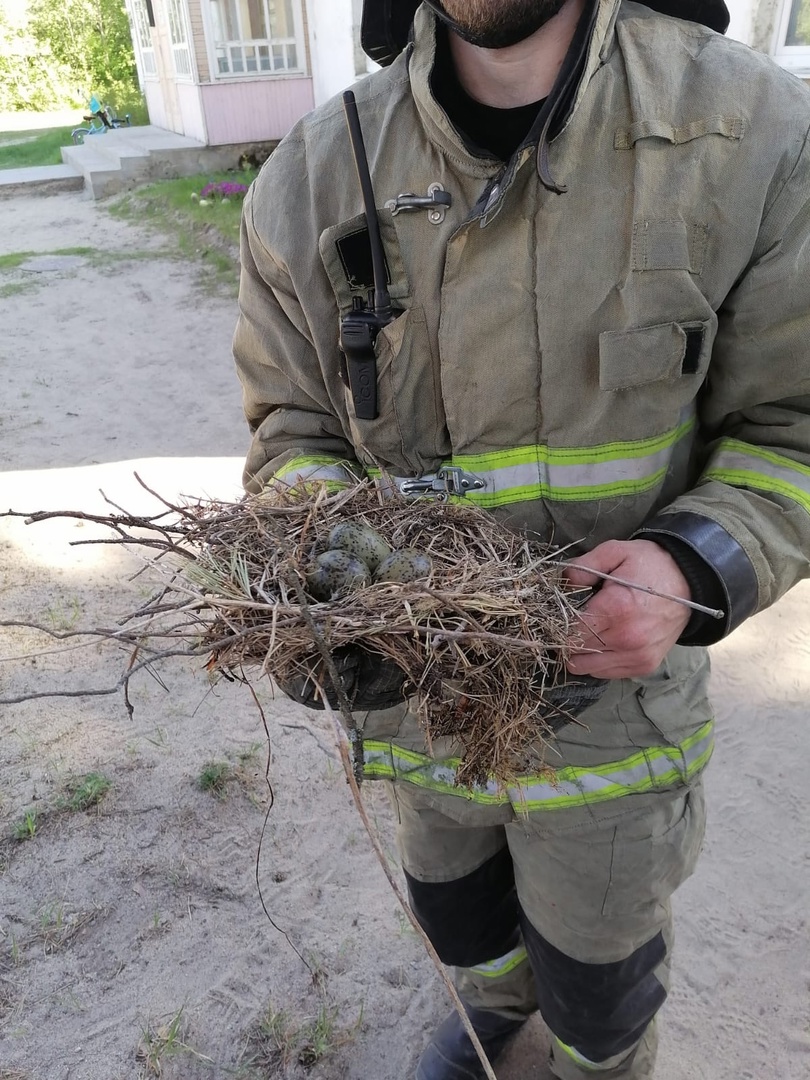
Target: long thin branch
[434,956]
[715,613]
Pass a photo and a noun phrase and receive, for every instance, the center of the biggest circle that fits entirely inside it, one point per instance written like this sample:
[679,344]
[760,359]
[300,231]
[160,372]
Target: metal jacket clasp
[449,480]
[436,202]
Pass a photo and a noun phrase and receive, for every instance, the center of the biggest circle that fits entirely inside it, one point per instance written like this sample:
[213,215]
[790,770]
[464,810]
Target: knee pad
[472,919]
[602,1010]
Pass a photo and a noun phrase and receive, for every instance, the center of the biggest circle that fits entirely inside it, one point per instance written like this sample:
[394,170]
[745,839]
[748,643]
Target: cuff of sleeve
[717,568]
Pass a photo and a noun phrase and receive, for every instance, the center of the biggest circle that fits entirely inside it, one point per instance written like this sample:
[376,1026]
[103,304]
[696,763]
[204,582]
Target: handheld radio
[360,327]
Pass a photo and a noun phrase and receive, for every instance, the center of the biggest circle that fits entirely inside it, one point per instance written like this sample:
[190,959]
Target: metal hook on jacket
[436,202]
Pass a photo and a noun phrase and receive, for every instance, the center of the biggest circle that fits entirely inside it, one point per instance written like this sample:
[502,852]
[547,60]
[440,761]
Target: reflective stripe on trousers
[656,768]
[496,969]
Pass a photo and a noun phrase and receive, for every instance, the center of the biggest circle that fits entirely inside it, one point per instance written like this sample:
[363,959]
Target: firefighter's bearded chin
[497,24]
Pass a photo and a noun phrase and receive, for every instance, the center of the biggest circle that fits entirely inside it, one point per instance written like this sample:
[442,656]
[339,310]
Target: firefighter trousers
[567,911]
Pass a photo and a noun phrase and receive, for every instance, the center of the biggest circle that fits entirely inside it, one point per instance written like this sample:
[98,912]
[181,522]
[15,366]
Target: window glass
[798,32]
[254,23]
[223,13]
[281,18]
[143,37]
[254,35]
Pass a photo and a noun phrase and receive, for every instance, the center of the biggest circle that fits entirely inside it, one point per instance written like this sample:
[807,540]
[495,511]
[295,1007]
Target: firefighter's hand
[369,682]
[632,630]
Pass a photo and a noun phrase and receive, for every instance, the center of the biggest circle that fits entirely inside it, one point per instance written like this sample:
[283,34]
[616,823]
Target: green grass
[208,234]
[164,1040]
[17,258]
[41,147]
[26,827]
[16,288]
[84,792]
[214,777]
[79,793]
[278,1039]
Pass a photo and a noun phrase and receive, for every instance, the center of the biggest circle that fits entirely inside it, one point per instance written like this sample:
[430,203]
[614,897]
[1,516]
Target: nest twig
[478,642]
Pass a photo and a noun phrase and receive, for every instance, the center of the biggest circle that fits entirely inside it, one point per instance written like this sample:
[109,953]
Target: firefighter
[595,219]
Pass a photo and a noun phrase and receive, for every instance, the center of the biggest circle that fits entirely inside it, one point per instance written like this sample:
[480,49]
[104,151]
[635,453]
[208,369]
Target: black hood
[387,23]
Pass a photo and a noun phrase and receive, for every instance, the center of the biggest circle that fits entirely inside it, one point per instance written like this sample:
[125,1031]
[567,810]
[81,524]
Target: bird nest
[479,640]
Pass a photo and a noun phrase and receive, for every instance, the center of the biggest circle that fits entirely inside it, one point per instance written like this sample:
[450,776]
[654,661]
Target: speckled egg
[336,573]
[361,541]
[404,565]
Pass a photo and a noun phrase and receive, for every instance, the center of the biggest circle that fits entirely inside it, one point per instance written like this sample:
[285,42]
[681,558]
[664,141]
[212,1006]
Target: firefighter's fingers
[606,558]
[625,632]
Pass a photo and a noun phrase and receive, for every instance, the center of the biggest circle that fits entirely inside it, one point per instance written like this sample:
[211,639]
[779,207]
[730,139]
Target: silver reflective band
[741,465]
[592,1066]
[654,769]
[302,471]
[560,474]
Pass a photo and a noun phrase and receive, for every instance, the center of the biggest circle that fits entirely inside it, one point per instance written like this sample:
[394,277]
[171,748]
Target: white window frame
[141,35]
[180,40]
[795,58]
[298,40]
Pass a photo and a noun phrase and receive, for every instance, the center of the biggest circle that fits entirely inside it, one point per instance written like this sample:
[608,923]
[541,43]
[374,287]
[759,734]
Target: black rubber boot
[451,1056]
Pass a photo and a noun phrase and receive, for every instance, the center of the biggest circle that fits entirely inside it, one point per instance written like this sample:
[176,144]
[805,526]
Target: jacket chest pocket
[673,353]
[407,434]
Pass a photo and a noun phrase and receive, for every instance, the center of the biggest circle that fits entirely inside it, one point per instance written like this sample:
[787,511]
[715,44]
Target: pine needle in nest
[480,634]
[478,639]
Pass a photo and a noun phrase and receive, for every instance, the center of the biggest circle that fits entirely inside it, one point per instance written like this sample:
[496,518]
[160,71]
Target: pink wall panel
[248,110]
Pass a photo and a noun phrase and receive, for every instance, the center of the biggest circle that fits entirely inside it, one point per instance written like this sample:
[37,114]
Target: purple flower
[224,190]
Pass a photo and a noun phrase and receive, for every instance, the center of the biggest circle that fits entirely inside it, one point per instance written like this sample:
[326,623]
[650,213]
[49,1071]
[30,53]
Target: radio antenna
[382,298]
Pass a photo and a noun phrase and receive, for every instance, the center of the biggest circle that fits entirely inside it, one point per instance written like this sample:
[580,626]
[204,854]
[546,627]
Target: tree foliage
[64,50]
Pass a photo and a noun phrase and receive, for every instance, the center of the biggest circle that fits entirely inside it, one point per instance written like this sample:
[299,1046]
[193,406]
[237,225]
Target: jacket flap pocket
[652,354]
[346,253]
[731,127]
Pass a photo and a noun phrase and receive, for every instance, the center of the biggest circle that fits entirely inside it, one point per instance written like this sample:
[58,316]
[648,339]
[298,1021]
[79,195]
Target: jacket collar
[590,48]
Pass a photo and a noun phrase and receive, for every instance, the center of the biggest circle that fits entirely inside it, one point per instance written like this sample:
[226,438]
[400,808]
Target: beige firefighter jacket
[631,353]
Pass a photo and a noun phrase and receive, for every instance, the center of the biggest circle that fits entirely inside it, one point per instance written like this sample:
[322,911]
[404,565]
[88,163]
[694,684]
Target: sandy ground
[118,921]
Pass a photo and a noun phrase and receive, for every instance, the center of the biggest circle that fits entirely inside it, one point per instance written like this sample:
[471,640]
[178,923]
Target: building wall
[254,110]
[742,14]
[191,111]
[154,104]
[331,43]
[198,45]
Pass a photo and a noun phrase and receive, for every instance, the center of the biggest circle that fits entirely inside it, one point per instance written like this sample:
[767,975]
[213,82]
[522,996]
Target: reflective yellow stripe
[495,969]
[582,1061]
[742,465]
[570,473]
[657,768]
[332,470]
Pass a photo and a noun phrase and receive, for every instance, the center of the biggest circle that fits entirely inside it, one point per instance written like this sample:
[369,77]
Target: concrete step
[125,157]
[102,175]
[120,154]
[40,180]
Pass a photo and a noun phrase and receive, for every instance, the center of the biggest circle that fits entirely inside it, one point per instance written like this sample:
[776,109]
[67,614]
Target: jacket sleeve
[296,432]
[748,517]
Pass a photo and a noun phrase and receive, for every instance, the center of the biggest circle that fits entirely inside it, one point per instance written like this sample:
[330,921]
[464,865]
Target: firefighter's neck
[523,73]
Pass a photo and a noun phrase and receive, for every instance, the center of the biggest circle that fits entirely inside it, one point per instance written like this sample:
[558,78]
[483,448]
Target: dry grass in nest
[481,641]
[477,640]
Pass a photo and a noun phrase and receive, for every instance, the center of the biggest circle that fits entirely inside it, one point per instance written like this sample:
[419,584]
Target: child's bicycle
[102,119]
